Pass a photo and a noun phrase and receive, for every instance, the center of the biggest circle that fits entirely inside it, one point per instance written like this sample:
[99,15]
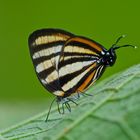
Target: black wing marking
[45,47]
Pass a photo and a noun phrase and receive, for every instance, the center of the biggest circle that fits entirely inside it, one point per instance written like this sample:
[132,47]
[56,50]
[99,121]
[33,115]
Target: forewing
[45,47]
[78,66]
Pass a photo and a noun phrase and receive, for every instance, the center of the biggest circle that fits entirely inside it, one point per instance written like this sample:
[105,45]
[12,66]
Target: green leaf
[112,113]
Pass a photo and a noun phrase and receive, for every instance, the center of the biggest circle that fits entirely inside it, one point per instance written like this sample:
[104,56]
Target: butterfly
[67,64]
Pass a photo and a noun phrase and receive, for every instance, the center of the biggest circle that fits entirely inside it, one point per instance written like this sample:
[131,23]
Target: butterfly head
[109,57]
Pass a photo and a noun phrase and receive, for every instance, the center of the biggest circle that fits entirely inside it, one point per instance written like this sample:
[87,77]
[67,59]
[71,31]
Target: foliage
[112,112]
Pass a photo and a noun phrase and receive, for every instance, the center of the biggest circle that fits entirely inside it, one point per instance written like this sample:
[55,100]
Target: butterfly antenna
[118,39]
[50,109]
[117,47]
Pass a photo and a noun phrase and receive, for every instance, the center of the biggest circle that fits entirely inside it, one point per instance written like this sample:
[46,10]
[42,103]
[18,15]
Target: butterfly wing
[78,66]
[45,47]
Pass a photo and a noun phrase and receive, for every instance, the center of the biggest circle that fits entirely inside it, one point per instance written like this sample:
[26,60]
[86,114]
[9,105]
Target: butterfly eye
[107,53]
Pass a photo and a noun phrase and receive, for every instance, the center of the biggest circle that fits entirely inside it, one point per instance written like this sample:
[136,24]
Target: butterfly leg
[68,106]
[78,95]
[63,109]
[58,108]
[84,93]
[72,101]
[50,109]
[60,101]
[87,94]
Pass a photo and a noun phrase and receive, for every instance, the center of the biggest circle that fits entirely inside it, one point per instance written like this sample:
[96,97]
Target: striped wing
[78,67]
[45,47]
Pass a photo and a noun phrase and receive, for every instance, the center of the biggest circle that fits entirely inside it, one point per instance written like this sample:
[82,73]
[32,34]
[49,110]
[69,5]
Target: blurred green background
[21,94]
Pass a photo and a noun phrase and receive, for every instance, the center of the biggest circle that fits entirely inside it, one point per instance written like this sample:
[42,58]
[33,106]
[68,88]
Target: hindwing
[45,47]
